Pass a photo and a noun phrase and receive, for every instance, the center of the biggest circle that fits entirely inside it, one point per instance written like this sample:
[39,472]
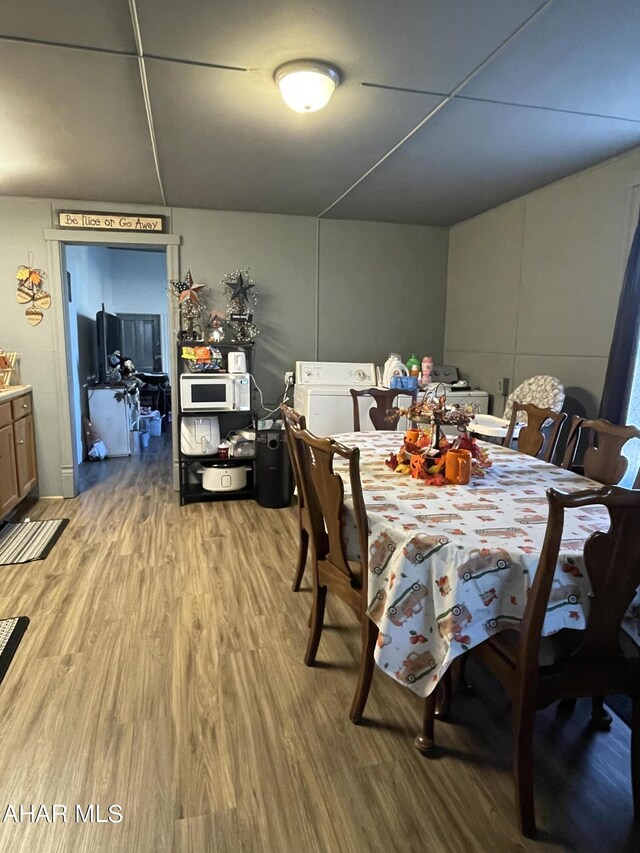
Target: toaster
[237,362]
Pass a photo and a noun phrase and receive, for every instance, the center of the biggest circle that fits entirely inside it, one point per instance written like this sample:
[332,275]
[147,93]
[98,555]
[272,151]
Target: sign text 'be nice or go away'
[109,221]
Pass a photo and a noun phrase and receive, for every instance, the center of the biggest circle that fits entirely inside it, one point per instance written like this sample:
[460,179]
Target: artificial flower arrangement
[423,454]
[435,410]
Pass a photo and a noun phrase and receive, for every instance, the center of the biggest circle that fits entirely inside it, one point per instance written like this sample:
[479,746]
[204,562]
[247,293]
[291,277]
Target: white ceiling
[447,107]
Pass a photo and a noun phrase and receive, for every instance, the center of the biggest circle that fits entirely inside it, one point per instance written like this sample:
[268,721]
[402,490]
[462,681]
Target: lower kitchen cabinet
[18,466]
[25,445]
[8,478]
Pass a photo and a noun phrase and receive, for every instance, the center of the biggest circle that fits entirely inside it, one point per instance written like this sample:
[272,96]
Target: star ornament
[187,290]
[240,287]
[190,294]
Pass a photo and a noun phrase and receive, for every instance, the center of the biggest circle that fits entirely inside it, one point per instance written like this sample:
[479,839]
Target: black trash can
[274,479]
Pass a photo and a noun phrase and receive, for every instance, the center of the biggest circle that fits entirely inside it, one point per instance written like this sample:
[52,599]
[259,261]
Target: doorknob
[21,441]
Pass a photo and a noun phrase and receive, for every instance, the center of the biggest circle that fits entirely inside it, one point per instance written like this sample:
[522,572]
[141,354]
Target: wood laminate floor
[162,671]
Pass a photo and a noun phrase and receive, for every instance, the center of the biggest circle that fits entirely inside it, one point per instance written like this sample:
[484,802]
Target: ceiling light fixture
[306,85]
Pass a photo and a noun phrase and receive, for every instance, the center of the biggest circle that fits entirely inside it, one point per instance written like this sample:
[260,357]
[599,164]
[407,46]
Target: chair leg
[635,757]
[303,546]
[443,696]
[369,632]
[424,742]
[599,717]
[459,672]
[523,719]
[317,620]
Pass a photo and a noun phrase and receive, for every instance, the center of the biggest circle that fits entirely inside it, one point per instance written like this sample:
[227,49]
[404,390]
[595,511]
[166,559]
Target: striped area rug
[11,631]
[29,540]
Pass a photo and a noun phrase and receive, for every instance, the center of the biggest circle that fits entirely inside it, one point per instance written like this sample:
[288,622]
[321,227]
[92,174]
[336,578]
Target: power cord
[288,385]
[267,413]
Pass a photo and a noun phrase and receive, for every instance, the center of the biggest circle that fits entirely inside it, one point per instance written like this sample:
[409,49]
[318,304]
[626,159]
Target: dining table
[451,565]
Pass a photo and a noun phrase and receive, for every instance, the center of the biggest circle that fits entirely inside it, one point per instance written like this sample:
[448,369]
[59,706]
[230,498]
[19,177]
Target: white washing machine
[322,395]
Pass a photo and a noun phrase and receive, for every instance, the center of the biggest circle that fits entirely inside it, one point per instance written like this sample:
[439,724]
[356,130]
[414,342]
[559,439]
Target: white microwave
[219,393]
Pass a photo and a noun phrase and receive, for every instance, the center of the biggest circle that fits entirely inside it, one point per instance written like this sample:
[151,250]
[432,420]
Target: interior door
[141,341]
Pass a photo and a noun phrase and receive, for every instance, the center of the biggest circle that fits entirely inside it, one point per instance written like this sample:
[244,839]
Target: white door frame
[56,240]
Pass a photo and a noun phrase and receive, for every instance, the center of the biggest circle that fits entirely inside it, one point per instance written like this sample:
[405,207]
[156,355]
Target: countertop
[13,391]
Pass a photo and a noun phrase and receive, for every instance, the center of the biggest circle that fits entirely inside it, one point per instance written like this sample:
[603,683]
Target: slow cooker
[223,477]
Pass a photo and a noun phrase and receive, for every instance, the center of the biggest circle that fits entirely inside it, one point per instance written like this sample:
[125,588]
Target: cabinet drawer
[5,413]
[21,406]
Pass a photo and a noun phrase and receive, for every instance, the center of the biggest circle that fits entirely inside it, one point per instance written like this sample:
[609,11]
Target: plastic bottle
[427,367]
[393,366]
[413,366]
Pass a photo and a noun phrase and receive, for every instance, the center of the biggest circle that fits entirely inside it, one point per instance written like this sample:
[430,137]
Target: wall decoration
[86,219]
[216,324]
[30,290]
[187,293]
[241,297]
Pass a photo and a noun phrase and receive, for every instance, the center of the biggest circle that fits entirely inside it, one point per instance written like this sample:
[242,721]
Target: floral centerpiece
[434,410]
[423,453]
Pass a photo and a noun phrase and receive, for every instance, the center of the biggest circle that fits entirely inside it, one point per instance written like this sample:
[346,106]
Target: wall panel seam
[317,318]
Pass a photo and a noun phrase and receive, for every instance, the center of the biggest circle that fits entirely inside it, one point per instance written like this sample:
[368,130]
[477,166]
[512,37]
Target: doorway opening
[119,358]
[631,449]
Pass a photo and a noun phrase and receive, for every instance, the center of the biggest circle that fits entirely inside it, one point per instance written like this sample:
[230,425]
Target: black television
[109,332]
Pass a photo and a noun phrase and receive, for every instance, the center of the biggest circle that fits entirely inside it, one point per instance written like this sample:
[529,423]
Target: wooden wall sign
[85,219]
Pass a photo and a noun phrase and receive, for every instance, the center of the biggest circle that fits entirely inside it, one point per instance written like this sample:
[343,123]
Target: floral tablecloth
[450,566]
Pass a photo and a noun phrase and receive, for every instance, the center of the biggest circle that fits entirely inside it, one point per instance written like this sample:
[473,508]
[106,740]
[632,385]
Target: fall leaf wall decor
[30,290]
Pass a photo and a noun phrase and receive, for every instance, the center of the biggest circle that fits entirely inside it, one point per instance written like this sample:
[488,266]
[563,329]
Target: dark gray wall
[533,285]
[381,290]
[378,287]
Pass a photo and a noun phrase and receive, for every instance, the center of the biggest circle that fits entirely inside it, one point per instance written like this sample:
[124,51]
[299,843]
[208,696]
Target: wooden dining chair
[323,491]
[381,415]
[603,460]
[531,438]
[600,660]
[294,421]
